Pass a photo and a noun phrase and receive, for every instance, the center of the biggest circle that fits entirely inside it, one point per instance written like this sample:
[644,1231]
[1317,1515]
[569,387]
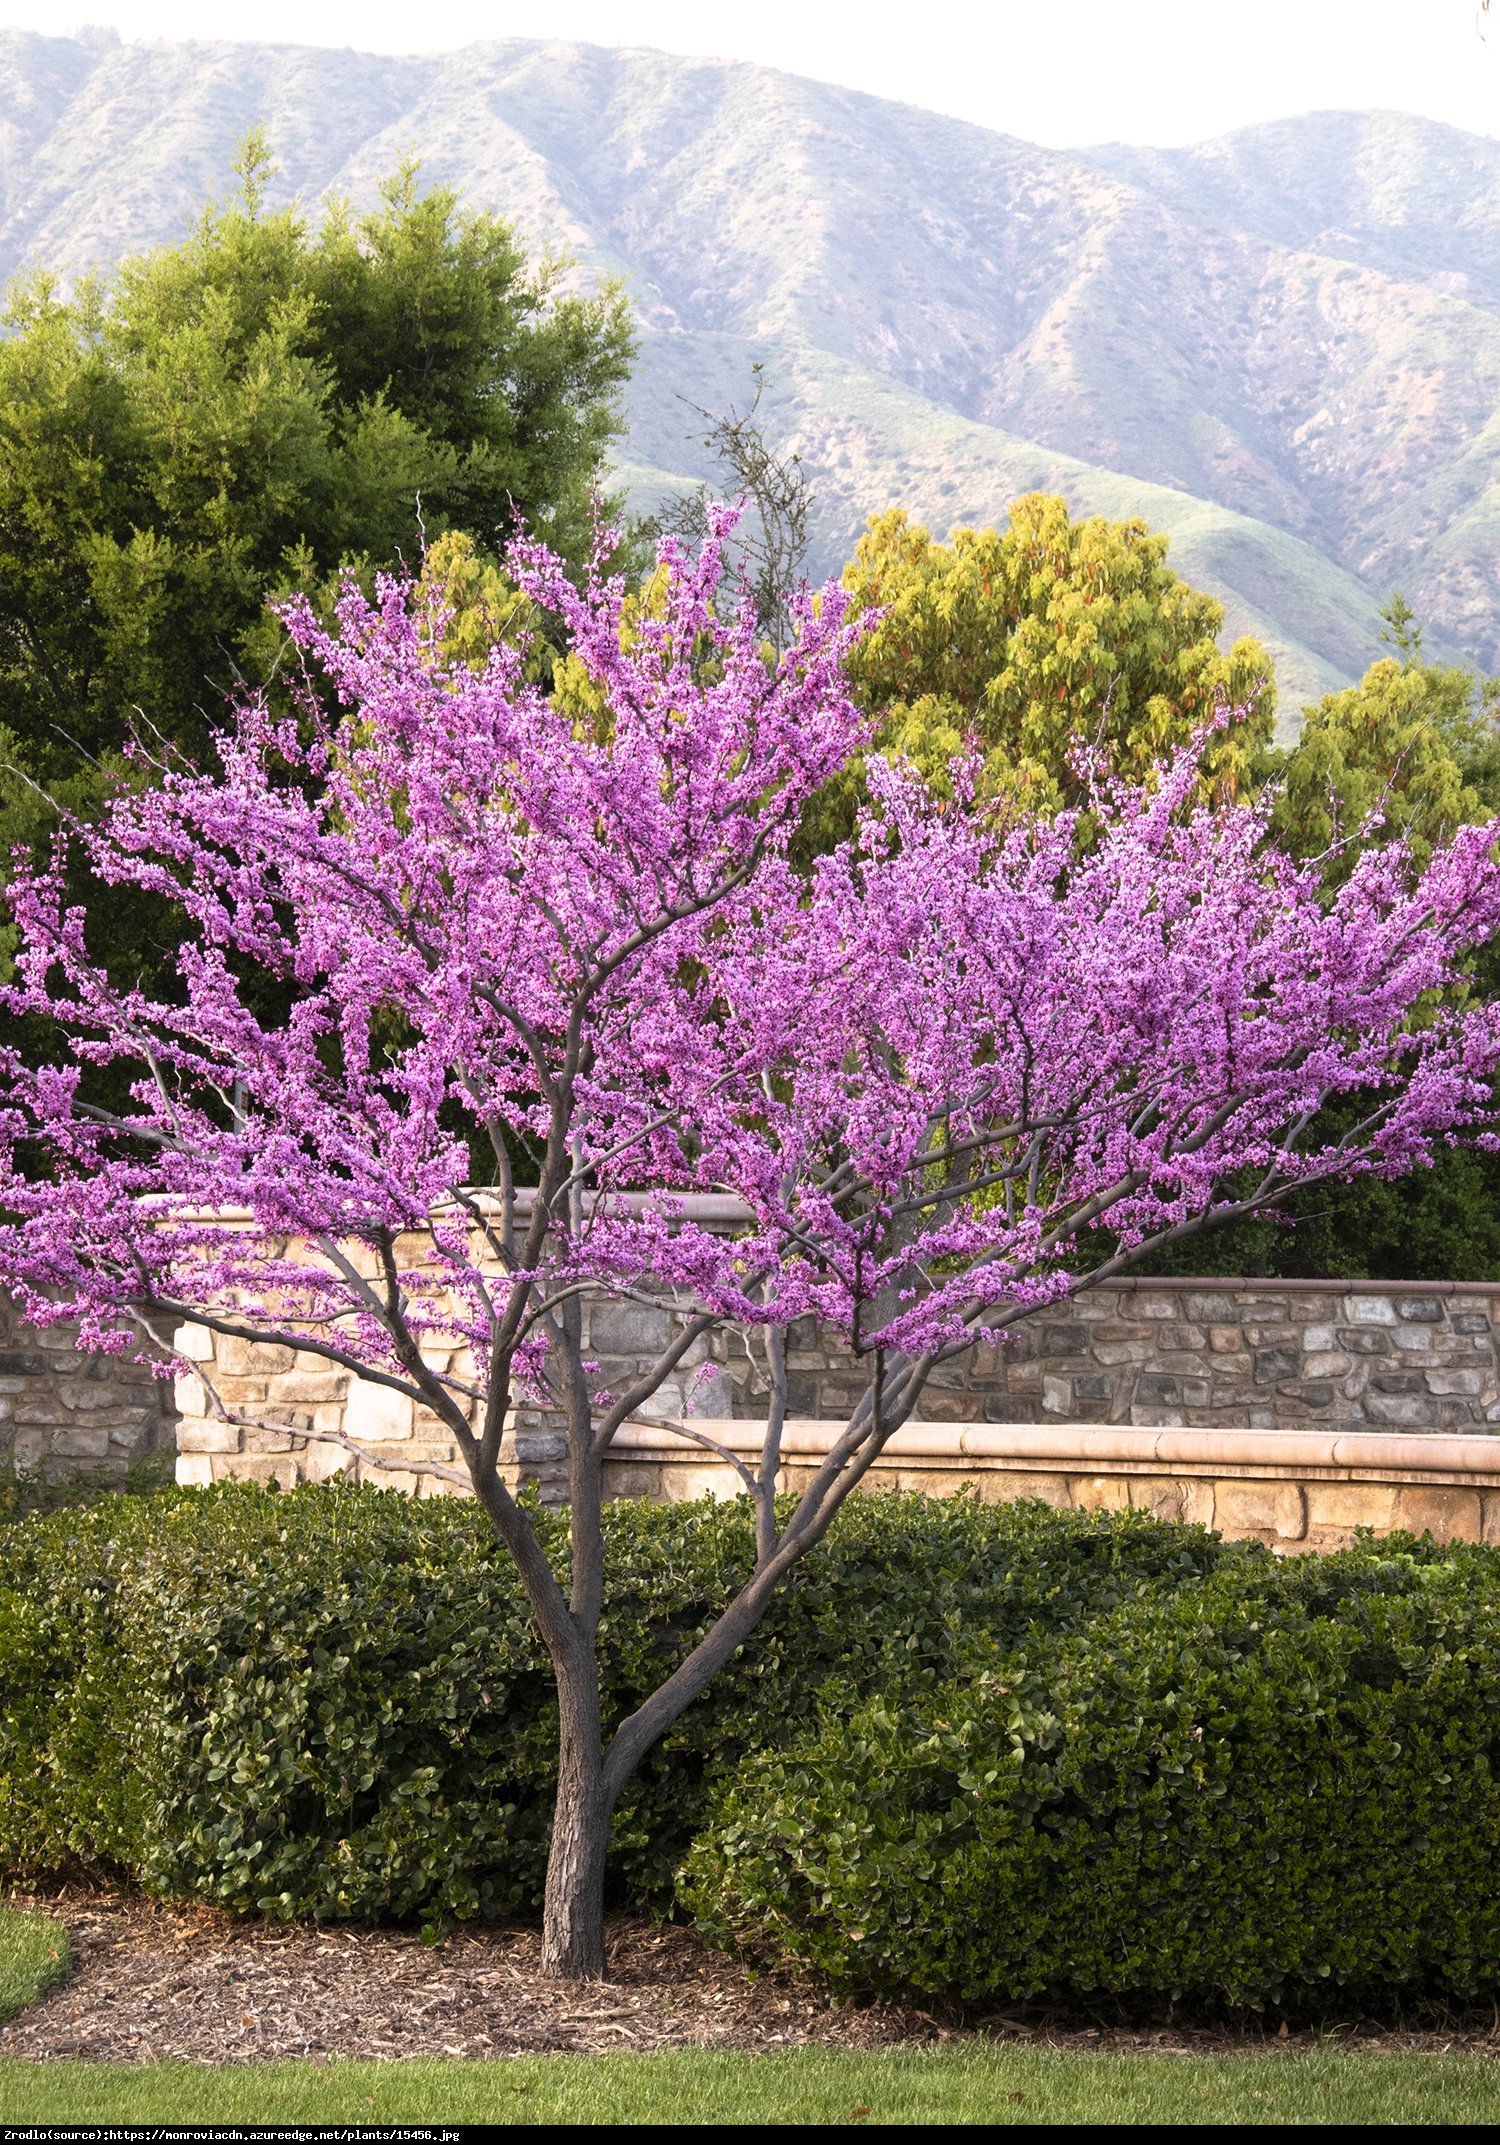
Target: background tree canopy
[1045,635]
[246,413]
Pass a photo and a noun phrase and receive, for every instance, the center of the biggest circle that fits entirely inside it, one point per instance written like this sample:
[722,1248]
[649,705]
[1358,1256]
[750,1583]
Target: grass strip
[33,1957]
[983,2083]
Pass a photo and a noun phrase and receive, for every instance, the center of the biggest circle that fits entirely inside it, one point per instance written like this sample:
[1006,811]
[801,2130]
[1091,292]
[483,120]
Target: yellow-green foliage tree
[1410,751]
[1044,635]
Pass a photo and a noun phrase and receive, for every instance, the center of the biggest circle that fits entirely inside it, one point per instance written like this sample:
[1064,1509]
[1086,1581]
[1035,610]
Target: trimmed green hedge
[332,1702]
[1275,1779]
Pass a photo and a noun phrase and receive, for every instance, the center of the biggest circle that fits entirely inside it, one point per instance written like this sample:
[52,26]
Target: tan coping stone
[1277,1508]
[195,1470]
[1451,1515]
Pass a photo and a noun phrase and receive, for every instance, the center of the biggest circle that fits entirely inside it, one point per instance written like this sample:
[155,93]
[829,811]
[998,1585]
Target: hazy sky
[1057,71]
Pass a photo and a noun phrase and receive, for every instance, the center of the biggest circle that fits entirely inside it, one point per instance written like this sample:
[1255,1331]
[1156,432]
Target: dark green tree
[249,412]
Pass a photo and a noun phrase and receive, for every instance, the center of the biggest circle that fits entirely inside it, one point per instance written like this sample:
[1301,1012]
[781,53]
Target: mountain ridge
[1280,345]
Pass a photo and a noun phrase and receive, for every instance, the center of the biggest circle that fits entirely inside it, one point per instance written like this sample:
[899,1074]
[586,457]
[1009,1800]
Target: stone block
[1113,1352]
[1272,1365]
[321,1463]
[309,1387]
[1325,1363]
[1093,1386]
[28,1447]
[1315,1337]
[1413,1413]
[202,1435]
[81,1441]
[281,1468]
[253,1359]
[1364,1341]
[1450,1515]
[1148,1417]
[1010,1408]
[87,1396]
[1397,1381]
[1456,1381]
[680,1485]
[1275,1508]
[940,1407]
[997,1485]
[1154,1307]
[437,1486]
[189,1397]
[628,1329]
[22,1364]
[195,1470]
[1173,1498]
[533,1446]
[196,1343]
[1207,1310]
[1064,1340]
[1471,1322]
[1313,1393]
[374,1414]
[1057,1396]
[1413,1340]
[1370,1311]
[1421,1310]
[632,1479]
[1153,1386]
[1100,1493]
[240,1392]
[41,1408]
[1350,1504]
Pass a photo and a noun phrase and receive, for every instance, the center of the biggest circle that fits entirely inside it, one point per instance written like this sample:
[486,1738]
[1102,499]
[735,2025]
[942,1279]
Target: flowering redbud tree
[926,1070]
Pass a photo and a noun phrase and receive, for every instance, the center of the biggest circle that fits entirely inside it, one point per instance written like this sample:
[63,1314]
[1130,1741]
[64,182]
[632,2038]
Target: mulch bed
[152,1981]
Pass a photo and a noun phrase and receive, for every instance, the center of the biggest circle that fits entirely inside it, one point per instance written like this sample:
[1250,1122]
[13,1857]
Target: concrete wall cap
[1397,1452]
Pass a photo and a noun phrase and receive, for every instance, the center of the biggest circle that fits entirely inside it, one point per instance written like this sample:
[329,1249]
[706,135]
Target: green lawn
[33,1958]
[945,2085]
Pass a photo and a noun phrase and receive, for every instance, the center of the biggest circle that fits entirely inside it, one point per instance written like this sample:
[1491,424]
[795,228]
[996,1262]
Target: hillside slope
[1283,347]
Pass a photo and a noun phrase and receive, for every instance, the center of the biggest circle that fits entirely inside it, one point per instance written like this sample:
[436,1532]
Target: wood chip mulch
[151,1981]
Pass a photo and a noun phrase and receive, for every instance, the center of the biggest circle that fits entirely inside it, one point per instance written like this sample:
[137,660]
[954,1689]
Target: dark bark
[573,1916]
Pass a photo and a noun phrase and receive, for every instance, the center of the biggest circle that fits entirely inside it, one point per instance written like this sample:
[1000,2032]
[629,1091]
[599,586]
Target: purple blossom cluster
[928,1069]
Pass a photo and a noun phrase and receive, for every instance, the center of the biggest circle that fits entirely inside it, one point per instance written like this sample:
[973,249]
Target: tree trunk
[573,1917]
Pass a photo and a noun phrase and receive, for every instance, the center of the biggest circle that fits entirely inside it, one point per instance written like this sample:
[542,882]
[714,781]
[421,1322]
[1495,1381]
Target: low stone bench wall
[1292,1490]
[1180,1355]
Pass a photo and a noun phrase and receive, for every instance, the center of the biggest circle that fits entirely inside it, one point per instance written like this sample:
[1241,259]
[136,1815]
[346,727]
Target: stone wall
[63,1413]
[1211,1355]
